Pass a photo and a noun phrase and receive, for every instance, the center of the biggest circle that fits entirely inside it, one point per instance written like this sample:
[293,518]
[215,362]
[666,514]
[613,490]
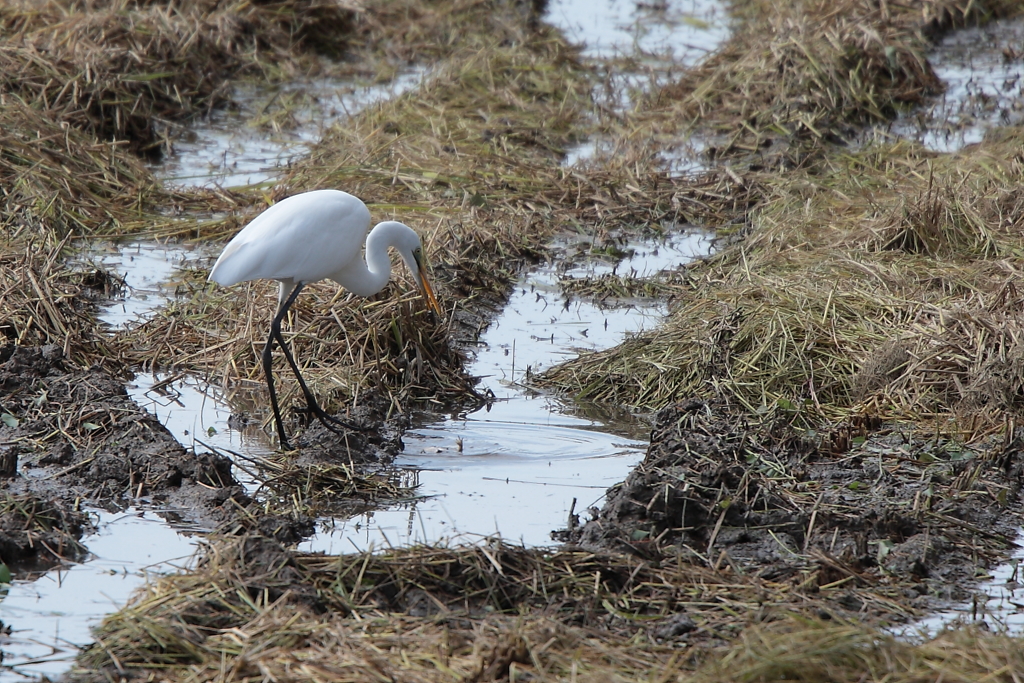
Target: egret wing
[303,238]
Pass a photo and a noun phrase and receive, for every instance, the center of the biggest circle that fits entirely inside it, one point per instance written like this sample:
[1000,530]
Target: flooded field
[709,379]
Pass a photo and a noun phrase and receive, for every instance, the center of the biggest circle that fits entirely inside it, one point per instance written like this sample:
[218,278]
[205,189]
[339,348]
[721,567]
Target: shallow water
[516,467]
[51,616]
[479,471]
[227,150]
[983,69]
[147,270]
[998,602]
[638,48]
[684,29]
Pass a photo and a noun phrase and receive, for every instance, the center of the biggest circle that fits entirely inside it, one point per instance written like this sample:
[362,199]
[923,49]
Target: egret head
[411,250]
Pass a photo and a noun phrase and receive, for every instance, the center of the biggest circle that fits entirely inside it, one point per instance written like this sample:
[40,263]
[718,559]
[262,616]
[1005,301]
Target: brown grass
[849,259]
[120,69]
[250,610]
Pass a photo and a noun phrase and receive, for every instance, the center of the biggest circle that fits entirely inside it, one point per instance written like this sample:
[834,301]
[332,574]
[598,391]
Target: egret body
[310,237]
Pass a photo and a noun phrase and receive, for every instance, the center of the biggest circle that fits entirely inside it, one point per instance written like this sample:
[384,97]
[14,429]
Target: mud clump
[767,499]
[80,438]
[373,439]
[38,533]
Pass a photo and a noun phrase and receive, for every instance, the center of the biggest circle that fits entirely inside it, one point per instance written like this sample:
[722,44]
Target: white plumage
[309,237]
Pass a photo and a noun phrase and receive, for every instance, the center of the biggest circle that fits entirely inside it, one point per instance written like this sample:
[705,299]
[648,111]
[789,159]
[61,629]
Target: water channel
[983,73]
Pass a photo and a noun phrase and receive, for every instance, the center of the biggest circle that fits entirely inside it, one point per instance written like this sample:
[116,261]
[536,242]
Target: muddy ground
[867,505]
[81,442]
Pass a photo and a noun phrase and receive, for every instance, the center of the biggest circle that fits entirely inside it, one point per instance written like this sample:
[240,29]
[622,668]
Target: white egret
[309,237]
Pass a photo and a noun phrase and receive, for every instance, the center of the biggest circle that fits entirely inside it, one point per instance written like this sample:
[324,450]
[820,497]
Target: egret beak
[424,283]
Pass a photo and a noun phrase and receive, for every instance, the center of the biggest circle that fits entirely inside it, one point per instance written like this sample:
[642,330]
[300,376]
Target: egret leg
[268,368]
[311,402]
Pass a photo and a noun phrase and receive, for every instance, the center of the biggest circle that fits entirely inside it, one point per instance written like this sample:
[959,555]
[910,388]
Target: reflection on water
[635,49]
[199,416]
[50,616]
[983,72]
[147,270]
[998,603]
[516,467]
[248,145]
[685,29]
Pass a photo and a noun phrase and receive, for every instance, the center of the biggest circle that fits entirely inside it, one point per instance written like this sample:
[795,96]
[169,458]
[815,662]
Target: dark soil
[375,439]
[36,533]
[81,442]
[866,506]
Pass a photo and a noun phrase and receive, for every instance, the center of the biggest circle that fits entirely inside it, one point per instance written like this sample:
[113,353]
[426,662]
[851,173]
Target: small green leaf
[639,534]
[5,573]
[211,431]
[90,426]
[854,485]
[9,420]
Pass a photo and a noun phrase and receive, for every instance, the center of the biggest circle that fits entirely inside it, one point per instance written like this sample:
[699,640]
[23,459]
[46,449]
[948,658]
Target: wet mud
[78,437]
[862,507]
[81,442]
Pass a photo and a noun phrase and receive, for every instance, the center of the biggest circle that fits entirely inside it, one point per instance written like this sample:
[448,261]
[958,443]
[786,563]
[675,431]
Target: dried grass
[880,281]
[800,75]
[803,650]
[119,68]
[251,610]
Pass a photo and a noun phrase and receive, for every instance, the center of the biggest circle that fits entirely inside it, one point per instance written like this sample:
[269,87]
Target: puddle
[229,150]
[51,616]
[683,29]
[147,269]
[636,48]
[514,468]
[982,69]
[998,603]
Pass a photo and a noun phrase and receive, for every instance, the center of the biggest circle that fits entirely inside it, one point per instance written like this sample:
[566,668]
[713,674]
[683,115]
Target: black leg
[268,369]
[311,402]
